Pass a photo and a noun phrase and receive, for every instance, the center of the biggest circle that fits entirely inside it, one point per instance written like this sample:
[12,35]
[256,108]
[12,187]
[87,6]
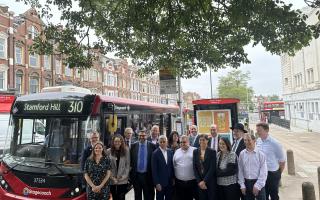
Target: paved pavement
[306,149]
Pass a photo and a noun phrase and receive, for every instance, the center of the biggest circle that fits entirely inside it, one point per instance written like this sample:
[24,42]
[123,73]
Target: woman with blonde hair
[97,173]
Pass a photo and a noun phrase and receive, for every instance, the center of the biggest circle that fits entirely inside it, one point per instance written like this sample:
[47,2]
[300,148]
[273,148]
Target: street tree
[235,85]
[187,36]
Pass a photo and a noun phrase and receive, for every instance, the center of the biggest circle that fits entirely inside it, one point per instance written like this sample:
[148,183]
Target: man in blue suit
[162,169]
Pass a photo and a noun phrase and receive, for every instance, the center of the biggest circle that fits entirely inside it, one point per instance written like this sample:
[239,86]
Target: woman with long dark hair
[97,173]
[120,166]
[227,169]
[174,141]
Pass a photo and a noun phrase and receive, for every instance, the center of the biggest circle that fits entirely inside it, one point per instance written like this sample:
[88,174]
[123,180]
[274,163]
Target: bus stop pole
[180,103]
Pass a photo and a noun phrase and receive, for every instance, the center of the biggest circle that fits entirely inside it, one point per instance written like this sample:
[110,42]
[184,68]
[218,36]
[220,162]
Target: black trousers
[186,190]
[249,191]
[272,185]
[143,184]
[118,191]
[229,192]
[165,193]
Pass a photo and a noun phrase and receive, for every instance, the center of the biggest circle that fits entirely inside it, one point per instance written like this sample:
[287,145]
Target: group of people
[195,166]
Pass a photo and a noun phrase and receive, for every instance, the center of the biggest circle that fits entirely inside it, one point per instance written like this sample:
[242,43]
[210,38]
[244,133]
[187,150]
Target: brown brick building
[27,73]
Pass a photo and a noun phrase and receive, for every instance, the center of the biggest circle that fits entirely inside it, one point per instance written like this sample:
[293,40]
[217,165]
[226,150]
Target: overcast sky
[265,68]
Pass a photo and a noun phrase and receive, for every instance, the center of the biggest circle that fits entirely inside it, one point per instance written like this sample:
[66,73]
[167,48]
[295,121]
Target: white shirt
[214,141]
[165,155]
[183,164]
[252,165]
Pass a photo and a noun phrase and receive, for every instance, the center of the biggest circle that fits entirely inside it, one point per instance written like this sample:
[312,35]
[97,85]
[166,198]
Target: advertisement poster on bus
[222,118]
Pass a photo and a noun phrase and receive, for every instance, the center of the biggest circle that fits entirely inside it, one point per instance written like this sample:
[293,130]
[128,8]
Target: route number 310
[75,107]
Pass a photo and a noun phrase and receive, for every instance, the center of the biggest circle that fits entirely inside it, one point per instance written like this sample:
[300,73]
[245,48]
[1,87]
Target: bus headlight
[73,193]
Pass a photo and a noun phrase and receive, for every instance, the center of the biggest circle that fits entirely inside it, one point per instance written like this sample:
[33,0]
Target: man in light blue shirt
[275,159]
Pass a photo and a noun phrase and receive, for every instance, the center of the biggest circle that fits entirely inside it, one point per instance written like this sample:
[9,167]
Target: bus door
[113,124]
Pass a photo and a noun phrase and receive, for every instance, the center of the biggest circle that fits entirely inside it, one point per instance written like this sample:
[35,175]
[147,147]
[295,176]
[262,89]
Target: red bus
[48,132]
[271,108]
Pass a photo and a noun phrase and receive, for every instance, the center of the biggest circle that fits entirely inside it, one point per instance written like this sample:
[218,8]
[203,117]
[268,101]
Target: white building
[301,83]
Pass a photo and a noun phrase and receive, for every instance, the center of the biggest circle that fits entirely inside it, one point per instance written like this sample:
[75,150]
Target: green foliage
[187,36]
[235,85]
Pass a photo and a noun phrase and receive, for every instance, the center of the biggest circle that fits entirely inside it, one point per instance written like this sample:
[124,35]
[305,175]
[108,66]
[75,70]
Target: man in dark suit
[214,140]
[94,138]
[140,162]
[128,139]
[238,143]
[162,169]
[154,135]
[193,138]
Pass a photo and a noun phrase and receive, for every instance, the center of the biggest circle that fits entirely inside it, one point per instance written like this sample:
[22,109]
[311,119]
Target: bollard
[319,180]
[308,191]
[290,161]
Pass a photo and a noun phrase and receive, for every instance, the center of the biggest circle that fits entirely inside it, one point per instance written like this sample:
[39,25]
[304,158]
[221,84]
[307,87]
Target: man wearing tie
[162,170]
[154,135]
[128,140]
[238,143]
[140,162]
[214,140]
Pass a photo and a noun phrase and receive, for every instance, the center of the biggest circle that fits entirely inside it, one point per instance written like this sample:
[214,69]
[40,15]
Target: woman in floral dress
[97,173]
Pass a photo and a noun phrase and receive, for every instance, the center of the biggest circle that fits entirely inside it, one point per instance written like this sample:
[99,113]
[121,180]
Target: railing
[280,122]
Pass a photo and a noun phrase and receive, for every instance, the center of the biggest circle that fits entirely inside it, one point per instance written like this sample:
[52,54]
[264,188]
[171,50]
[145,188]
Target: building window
[3,48]
[18,55]
[19,81]
[93,75]
[34,83]
[286,81]
[58,66]
[46,62]
[67,70]
[33,59]
[310,76]
[2,80]
[32,32]
[78,73]
[85,75]
[47,82]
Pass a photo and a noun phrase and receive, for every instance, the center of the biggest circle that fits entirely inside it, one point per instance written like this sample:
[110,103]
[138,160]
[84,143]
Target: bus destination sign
[52,107]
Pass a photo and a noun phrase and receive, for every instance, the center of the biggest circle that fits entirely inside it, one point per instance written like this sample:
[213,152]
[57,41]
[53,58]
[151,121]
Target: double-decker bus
[270,109]
[48,132]
[6,100]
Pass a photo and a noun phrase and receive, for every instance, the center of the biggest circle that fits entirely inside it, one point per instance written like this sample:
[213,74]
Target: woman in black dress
[97,173]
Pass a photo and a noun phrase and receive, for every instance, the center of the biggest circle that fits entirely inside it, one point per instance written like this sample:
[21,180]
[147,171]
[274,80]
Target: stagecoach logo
[27,191]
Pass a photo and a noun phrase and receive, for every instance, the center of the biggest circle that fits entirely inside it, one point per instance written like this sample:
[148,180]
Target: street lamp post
[180,103]
[211,83]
